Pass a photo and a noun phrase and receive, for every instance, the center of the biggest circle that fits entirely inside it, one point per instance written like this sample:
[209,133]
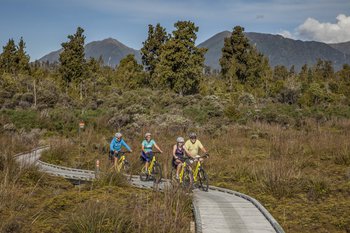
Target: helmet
[192,135]
[180,139]
[147,134]
[118,135]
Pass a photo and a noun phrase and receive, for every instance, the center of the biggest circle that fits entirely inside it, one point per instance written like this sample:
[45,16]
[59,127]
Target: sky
[45,24]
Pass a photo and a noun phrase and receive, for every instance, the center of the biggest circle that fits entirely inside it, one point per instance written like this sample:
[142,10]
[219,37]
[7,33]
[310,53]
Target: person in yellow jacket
[193,145]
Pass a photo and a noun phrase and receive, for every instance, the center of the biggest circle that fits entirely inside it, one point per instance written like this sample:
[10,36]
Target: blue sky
[45,24]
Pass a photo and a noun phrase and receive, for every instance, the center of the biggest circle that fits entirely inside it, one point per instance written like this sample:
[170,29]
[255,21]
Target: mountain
[279,50]
[111,50]
[342,47]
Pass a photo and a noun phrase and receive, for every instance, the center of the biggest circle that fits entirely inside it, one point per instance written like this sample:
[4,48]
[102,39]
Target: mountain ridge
[278,49]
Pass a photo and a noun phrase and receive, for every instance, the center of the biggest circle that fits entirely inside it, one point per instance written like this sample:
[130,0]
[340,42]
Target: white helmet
[180,139]
[147,134]
[118,135]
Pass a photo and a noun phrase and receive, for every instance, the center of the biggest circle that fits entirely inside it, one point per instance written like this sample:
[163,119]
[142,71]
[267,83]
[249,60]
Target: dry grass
[295,173]
[33,202]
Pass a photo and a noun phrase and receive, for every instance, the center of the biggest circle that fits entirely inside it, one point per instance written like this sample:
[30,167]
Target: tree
[180,63]
[72,59]
[280,72]
[129,73]
[250,65]
[323,70]
[8,57]
[150,51]
[22,58]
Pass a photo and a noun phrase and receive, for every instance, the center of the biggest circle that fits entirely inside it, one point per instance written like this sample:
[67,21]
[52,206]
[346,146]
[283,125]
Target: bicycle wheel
[126,167]
[203,180]
[187,180]
[143,174]
[157,173]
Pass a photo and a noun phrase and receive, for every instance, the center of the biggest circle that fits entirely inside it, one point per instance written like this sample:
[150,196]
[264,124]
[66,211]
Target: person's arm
[174,151]
[126,146]
[202,147]
[143,148]
[111,146]
[156,146]
[188,153]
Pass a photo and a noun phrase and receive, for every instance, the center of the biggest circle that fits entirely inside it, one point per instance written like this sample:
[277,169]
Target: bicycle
[154,170]
[122,164]
[185,179]
[200,177]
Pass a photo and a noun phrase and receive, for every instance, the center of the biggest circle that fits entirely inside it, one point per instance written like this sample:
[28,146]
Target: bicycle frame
[195,174]
[151,164]
[198,167]
[120,163]
[182,171]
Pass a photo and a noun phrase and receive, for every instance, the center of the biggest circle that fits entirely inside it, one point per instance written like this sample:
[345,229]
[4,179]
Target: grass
[31,201]
[301,175]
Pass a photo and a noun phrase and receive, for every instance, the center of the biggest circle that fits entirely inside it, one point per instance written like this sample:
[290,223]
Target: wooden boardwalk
[218,210]
[223,212]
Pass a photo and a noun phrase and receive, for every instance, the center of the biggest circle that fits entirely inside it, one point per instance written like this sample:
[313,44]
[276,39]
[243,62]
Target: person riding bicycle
[193,145]
[147,152]
[115,147]
[179,154]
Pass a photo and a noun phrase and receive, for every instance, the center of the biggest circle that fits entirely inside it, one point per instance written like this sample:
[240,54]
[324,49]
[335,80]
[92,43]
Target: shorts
[146,157]
[182,159]
[112,155]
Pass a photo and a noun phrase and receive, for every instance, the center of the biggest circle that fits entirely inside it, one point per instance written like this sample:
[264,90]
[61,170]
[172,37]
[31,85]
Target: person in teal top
[147,149]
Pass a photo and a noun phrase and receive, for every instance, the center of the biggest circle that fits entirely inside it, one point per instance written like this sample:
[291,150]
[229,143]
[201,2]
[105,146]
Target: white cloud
[286,34]
[337,32]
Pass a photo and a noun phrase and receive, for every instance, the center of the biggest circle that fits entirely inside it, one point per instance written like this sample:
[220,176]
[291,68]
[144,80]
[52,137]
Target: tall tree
[72,59]
[181,63]
[150,51]
[22,58]
[8,57]
[250,65]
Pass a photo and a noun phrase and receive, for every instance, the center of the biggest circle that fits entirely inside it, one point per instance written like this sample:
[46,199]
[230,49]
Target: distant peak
[110,40]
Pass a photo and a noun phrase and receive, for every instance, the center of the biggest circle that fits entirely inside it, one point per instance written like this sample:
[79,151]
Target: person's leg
[179,165]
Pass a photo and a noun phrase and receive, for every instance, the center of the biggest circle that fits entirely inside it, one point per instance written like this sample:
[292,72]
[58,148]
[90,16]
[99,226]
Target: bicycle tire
[157,173]
[126,166]
[144,174]
[203,180]
[187,180]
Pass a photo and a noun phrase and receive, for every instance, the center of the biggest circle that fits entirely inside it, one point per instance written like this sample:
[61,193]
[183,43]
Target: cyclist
[193,145]
[115,147]
[147,145]
[179,154]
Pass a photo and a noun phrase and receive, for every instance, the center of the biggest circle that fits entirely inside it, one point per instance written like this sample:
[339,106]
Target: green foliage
[241,61]
[8,57]
[151,49]
[72,58]
[22,59]
[129,74]
[181,62]
[14,59]
[27,119]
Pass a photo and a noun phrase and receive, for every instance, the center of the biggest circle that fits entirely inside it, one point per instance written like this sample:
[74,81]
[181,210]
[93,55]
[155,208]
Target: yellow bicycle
[123,164]
[154,170]
[200,177]
[185,178]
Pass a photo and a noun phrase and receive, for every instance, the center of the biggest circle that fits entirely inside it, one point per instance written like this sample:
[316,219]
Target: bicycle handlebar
[154,152]
[122,152]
